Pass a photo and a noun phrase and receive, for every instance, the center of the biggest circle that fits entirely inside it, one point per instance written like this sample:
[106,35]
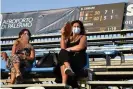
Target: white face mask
[76,30]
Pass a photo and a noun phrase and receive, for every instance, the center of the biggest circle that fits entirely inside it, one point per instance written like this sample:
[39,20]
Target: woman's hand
[63,33]
[66,30]
[62,30]
[68,49]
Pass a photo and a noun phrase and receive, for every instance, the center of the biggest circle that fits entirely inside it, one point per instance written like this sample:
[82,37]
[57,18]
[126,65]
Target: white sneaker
[69,71]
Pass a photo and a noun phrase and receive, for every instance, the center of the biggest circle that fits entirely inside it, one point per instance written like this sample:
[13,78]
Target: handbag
[48,60]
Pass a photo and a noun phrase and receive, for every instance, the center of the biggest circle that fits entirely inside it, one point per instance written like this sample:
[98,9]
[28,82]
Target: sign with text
[38,22]
[107,17]
[128,23]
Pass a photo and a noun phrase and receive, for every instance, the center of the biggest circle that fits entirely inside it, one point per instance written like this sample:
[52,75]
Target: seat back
[34,63]
[84,71]
[87,62]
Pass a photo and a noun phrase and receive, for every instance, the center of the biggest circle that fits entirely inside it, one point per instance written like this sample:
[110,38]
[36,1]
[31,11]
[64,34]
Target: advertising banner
[12,23]
[96,18]
[38,22]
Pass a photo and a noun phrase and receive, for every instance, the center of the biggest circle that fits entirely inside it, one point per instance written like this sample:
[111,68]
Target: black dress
[77,62]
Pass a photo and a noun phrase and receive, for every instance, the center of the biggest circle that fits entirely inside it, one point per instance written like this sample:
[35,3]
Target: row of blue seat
[91,54]
[34,68]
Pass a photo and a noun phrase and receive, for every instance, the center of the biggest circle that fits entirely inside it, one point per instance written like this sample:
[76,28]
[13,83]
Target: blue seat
[87,60]
[107,54]
[51,69]
[85,70]
[34,69]
[48,69]
[110,52]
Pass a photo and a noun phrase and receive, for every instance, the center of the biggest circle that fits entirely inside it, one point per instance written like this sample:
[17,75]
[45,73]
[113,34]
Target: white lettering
[17,23]
[129,22]
[129,10]
[89,8]
[88,24]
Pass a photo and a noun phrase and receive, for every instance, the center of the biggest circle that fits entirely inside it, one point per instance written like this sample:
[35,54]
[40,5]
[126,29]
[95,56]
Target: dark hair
[82,28]
[23,30]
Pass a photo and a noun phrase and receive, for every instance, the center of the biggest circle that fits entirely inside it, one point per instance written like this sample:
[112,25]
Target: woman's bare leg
[17,68]
[67,64]
[13,76]
[68,69]
[64,76]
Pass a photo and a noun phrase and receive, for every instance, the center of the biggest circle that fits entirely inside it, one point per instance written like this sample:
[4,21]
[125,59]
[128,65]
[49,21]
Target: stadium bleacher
[109,52]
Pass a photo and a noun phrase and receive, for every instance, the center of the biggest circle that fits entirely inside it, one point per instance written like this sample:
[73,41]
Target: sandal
[19,80]
[69,71]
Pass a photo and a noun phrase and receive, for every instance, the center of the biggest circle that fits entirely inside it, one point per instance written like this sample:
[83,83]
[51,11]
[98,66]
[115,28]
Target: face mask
[76,30]
[26,36]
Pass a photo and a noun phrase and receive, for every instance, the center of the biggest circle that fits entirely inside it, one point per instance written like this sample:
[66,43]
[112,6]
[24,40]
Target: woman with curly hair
[22,55]
[72,56]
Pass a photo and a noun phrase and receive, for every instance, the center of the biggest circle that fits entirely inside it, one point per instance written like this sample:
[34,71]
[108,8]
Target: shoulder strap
[80,36]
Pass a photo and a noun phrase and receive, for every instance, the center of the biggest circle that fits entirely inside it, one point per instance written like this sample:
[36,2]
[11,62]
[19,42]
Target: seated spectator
[22,56]
[5,58]
[72,56]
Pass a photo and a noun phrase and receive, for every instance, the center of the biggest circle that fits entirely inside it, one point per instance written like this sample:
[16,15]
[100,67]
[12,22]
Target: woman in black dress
[72,56]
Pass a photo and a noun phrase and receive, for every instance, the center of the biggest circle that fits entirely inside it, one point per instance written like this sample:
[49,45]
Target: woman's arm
[32,55]
[63,39]
[82,44]
[13,49]
[63,43]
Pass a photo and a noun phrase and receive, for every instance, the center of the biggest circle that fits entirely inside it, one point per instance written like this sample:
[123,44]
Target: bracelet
[69,50]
